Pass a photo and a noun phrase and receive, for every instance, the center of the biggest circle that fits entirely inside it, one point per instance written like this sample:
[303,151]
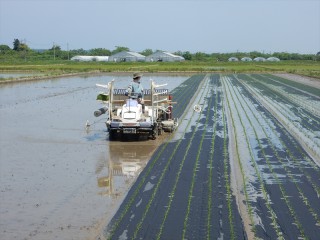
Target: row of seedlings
[272,169]
[284,165]
[188,89]
[234,130]
[160,230]
[294,121]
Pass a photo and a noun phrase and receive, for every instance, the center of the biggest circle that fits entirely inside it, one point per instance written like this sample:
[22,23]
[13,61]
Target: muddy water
[59,180]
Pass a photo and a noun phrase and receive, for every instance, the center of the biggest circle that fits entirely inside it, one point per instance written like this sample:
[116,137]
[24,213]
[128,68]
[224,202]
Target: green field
[54,68]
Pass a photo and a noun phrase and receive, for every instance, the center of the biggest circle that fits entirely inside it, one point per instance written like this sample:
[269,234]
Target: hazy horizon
[209,26]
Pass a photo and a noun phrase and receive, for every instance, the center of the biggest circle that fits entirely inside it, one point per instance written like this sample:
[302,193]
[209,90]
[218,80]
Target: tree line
[22,51]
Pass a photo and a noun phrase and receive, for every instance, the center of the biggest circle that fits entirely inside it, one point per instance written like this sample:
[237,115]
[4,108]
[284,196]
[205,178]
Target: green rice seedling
[141,183]
[244,178]
[262,185]
[172,193]
[285,196]
[195,171]
[302,196]
[226,174]
[210,166]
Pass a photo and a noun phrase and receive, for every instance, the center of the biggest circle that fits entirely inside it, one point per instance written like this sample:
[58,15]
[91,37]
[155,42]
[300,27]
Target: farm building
[81,58]
[259,59]
[90,58]
[233,59]
[161,56]
[101,58]
[127,57]
[246,59]
[273,59]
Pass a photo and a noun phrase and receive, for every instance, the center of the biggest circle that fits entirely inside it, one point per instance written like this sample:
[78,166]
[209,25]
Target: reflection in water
[124,163]
[65,165]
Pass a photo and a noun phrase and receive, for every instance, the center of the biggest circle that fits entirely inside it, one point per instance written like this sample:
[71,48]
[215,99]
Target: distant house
[246,59]
[161,56]
[90,58]
[273,59]
[259,59]
[233,59]
[125,56]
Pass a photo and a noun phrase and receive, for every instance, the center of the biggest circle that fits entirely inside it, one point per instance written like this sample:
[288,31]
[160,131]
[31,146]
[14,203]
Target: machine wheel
[154,134]
[112,135]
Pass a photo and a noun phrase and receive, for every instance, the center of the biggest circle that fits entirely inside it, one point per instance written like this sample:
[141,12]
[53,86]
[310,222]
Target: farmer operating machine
[125,114]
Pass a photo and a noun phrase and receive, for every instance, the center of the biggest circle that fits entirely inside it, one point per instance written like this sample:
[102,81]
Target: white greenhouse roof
[165,56]
[125,53]
[273,59]
[164,53]
[259,59]
[170,54]
[246,59]
[135,54]
[234,59]
[89,58]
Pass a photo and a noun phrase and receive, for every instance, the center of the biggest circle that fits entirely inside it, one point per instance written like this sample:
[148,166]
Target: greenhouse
[90,58]
[259,59]
[246,59]
[161,56]
[233,59]
[127,57]
[273,59]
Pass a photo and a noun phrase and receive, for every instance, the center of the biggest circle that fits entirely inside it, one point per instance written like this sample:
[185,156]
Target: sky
[209,26]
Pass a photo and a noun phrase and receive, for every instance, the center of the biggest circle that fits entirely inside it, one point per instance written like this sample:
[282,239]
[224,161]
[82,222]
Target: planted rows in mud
[185,191]
[233,171]
[296,109]
[280,180]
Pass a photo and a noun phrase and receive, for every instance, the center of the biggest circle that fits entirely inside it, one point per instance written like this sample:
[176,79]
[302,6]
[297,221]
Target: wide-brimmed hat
[137,75]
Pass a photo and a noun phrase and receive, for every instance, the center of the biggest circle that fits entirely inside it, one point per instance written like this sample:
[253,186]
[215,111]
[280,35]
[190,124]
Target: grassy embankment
[57,68]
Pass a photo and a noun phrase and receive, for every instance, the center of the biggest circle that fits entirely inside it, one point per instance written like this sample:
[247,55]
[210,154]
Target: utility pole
[68,51]
[54,52]
[25,50]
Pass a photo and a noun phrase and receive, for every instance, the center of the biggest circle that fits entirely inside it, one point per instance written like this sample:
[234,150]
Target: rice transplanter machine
[125,114]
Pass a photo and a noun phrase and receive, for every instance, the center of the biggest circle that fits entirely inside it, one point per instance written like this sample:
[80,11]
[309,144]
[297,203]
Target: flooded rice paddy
[246,166]
[58,179]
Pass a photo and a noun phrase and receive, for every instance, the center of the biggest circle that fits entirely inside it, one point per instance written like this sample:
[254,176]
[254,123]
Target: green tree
[16,44]
[199,56]
[147,52]
[100,52]
[4,48]
[56,47]
[120,49]
[54,52]
[76,52]
[24,47]
[178,53]
[187,55]
[255,54]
